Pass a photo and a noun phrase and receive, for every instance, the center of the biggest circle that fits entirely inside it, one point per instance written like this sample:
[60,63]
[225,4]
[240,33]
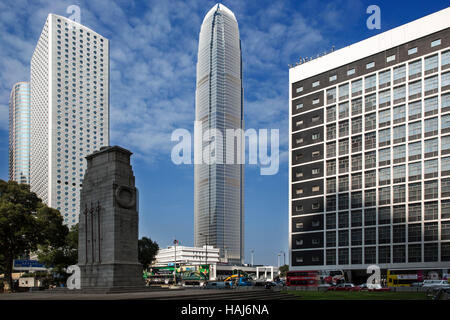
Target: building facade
[219,186]
[19,133]
[69,110]
[187,255]
[369,179]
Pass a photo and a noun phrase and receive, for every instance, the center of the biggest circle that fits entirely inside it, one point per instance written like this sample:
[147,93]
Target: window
[415,89]
[331,149]
[415,212]
[370,178]
[399,93]
[299,89]
[356,87]
[445,80]
[299,106]
[370,83]
[315,136]
[431,188]
[357,181]
[436,42]
[370,198]
[412,51]
[316,84]
[431,106]
[415,68]
[384,118]
[431,126]
[431,84]
[331,95]
[414,232]
[332,78]
[415,130]
[331,185]
[356,125]
[431,210]
[331,113]
[399,114]
[431,63]
[384,156]
[316,101]
[415,110]
[343,147]
[343,91]
[343,165]
[384,195]
[331,167]
[399,74]
[445,165]
[370,218]
[370,159]
[384,176]
[385,137]
[415,171]
[384,98]
[445,58]
[384,78]
[399,133]
[343,183]
[370,102]
[370,65]
[370,140]
[398,214]
[399,173]
[350,72]
[343,110]
[399,153]
[390,58]
[445,122]
[343,128]
[415,191]
[370,121]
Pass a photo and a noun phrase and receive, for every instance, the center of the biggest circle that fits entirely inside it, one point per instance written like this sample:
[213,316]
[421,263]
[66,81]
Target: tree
[147,250]
[25,223]
[62,256]
[283,270]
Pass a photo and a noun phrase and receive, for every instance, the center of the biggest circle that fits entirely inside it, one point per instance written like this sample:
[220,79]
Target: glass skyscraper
[19,133]
[218,187]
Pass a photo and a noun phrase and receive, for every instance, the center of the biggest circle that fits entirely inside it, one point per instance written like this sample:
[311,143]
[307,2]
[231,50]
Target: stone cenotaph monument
[108,224]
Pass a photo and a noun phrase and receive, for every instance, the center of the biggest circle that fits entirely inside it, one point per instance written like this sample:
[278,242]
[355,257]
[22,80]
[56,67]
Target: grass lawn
[364,295]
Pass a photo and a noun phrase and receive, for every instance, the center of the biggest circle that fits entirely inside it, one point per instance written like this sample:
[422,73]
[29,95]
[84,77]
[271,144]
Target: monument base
[111,276]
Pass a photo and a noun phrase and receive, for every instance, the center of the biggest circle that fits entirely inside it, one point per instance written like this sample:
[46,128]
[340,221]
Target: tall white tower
[69,110]
[218,187]
[19,133]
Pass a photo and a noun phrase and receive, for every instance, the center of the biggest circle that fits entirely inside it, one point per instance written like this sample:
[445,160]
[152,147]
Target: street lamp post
[252,252]
[279,260]
[175,242]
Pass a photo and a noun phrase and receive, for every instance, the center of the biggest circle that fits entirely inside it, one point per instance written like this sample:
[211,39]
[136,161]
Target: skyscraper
[19,133]
[218,187]
[69,110]
[369,175]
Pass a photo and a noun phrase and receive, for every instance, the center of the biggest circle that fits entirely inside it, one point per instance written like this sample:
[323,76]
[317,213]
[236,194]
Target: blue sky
[153,59]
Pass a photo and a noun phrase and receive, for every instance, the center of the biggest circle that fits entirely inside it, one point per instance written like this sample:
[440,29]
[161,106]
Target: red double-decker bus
[302,278]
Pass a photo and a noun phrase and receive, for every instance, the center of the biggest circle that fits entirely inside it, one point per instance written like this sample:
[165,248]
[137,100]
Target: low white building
[187,255]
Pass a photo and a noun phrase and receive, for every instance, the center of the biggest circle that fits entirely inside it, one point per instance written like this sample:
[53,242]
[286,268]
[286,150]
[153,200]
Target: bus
[405,278]
[303,278]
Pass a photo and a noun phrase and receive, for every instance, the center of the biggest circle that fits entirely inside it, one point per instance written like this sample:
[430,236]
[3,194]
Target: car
[372,287]
[435,284]
[344,287]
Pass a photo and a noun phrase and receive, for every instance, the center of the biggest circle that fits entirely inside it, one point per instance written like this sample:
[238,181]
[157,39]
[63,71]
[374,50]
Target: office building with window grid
[369,179]
[19,133]
[69,110]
